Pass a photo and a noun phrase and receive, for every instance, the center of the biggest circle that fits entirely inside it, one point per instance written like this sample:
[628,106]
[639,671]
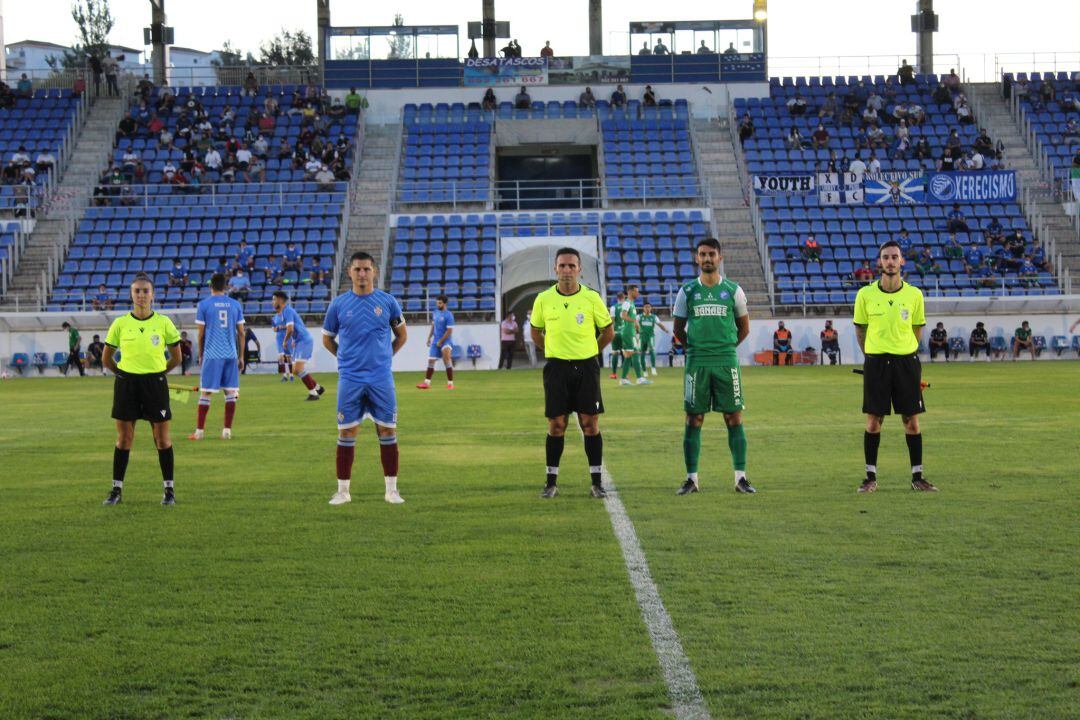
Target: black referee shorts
[141,397]
[892,381]
[572,386]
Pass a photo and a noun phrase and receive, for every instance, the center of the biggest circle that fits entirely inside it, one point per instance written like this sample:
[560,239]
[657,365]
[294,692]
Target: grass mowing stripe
[682,685]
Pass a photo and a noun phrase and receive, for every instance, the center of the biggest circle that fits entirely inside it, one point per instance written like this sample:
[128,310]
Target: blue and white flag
[894,188]
[971,187]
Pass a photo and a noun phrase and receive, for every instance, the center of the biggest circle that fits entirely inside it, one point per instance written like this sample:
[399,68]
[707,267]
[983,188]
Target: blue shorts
[435,352]
[357,402]
[303,350]
[219,374]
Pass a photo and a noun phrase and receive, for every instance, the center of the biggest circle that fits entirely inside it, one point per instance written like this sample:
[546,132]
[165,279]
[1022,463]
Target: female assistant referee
[141,391]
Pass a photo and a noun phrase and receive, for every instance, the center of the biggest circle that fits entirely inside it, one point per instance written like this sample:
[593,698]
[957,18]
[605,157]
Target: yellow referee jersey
[570,322]
[889,318]
[142,343]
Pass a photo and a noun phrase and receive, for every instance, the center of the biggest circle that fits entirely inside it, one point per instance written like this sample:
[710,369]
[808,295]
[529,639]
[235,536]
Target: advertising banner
[783,184]
[589,70]
[971,187]
[839,188]
[894,188]
[496,72]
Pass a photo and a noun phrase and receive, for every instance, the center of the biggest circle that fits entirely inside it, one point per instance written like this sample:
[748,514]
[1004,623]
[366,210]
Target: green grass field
[253,598]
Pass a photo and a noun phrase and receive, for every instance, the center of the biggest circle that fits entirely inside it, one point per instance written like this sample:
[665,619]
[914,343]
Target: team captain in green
[141,391]
[711,320]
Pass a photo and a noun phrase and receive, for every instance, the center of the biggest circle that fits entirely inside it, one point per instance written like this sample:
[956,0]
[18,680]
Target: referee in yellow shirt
[889,320]
[566,320]
[141,391]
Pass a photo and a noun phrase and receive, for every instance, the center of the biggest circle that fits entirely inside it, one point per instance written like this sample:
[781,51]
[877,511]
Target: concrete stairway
[996,116]
[92,151]
[732,221]
[370,194]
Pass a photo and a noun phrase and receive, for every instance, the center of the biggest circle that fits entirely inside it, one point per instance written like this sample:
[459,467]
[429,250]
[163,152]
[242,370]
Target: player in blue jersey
[440,344]
[285,351]
[364,328]
[221,335]
[297,336]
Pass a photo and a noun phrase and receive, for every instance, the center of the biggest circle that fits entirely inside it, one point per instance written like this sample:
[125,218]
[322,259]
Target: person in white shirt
[857,166]
[169,170]
[45,160]
[875,101]
[212,160]
[902,132]
[20,157]
[976,161]
[797,105]
[260,147]
[875,165]
[325,178]
[530,346]
[311,168]
[243,157]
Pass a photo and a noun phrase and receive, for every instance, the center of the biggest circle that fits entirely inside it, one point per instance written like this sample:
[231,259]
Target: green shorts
[616,343]
[647,344]
[628,341]
[712,387]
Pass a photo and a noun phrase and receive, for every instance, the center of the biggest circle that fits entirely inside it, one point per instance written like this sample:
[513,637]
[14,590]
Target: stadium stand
[849,234]
[31,126]
[1049,118]
[113,242]
[456,254]
[446,154]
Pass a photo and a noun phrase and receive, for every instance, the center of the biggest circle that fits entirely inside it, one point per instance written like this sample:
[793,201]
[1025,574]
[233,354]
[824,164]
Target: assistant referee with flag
[141,391]
[566,320]
[889,319]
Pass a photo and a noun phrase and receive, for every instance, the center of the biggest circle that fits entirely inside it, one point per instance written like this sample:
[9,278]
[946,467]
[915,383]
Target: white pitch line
[682,685]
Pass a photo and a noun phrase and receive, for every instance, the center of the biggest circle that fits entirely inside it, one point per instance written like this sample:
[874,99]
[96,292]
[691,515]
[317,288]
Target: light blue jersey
[441,320]
[220,315]
[362,325]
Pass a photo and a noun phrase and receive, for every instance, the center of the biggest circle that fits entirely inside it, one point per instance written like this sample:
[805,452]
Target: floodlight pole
[322,8]
[925,32]
[596,27]
[159,49]
[487,28]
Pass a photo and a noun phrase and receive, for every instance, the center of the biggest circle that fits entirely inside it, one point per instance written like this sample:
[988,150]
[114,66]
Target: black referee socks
[914,446]
[165,460]
[870,443]
[594,451]
[119,464]
[554,448]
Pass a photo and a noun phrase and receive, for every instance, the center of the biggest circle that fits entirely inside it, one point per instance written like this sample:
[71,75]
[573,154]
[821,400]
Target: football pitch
[253,598]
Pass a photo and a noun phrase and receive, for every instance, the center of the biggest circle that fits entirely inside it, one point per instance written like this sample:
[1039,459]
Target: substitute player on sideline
[711,320]
[565,321]
[221,353]
[440,344]
[628,338]
[365,328]
[616,345]
[296,336]
[648,322]
[889,319]
[140,390]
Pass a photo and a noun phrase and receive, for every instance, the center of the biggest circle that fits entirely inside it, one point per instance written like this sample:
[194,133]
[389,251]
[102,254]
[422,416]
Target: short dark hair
[631,287]
[888,244]
[217,281]
[142,277]
[709,242]
[442,298]
[568,251]
[361,255]
[280,294]
[65,325]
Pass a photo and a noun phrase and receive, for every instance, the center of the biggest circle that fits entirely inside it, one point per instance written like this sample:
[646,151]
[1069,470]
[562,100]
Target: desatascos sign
[770,184]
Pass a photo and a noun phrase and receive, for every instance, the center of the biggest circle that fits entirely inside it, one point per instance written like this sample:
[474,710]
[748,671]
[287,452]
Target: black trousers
[73,360]
[506,352]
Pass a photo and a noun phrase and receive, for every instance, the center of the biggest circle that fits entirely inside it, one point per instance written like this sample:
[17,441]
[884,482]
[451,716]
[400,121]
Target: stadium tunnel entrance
[527,269]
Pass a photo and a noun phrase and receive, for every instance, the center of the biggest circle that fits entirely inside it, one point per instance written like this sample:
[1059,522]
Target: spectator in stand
[731,50]
[746,128]
[522,101]
[875,136]
[168,172]
[239,286]
[284,149]
[103,300]
[507,340]
[1070,133]
[660,48]
[869,116]
[916,115]
[266,123]
[902,148]
[294,259]
[984,276]
[24,88]
[1015,246]
[1022,340]
[891,91]
[811,249]
[223,266]
[1029,274]
[111,69]
[979,342]
[828,107]
[794,137]
[1038,258]
[830,343]
[318,274]
[618,97]
[489,102]
[128,161]
[256,171]
[260,148]
[862,142]
[325,179]
[44,161]
[953,250]
[336,110]
[704,49]
[127,128]
[941,95]
[212,160]
[781,343]
[983,143]
[946,163]
[925,262]
[1076,159]
[875,102]
[648,99]
[243,158]
[820,138]
[645,49]
[96,69]
[797,105]
[857,166]
[546,51]
[165,139]
[587,99]
[271,106]
[907,245]
[251,85]
[939,342]
[874,166]
[922,150]
[273,272]
[178,274]
[994,233]
[973,259]
[508,50]
[975,161]
[245,257]
[906,73]
[963,114]
[1048,90]
[956,221]
[952,81]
